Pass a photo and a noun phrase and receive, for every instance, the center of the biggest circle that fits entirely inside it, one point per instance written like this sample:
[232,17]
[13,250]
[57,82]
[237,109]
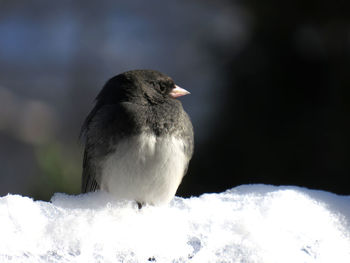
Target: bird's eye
[162,87]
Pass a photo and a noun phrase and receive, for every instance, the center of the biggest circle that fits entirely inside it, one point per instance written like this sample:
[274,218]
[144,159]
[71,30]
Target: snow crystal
[250,223]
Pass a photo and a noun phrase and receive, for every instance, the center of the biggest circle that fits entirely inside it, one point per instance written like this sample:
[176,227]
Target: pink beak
[178,92]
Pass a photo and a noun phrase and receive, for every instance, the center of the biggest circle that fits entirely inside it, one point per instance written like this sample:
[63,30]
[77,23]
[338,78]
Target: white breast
[145,168]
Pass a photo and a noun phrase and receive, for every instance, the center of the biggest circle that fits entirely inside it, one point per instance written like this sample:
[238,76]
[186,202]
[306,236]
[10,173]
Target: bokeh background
[269,80]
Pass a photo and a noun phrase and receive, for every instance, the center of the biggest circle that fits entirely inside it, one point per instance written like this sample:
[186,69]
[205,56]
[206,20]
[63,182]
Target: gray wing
[102,130]
[89,181]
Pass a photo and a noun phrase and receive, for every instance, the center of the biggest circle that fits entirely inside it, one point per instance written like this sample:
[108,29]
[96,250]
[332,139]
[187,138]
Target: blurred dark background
[269,81]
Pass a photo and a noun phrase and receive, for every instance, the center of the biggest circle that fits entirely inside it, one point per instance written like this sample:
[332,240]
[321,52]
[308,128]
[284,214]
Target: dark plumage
[138,138]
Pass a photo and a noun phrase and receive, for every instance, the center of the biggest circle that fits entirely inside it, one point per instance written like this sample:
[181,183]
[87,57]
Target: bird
[138,138]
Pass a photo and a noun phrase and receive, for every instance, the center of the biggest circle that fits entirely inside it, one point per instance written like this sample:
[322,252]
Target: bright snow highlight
[255,223]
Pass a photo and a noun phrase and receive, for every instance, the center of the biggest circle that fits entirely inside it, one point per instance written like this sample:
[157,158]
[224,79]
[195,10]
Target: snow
[250,223]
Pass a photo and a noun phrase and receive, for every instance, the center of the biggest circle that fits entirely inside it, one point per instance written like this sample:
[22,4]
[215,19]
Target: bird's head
[140,86]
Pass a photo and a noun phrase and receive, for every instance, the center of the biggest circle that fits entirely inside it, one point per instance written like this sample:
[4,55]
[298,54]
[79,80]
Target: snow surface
[250,223]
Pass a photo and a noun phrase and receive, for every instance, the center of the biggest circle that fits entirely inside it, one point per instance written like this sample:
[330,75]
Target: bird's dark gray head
[140,86]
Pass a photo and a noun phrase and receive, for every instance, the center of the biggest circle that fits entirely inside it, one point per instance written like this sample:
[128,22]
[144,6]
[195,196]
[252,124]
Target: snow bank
[253,223]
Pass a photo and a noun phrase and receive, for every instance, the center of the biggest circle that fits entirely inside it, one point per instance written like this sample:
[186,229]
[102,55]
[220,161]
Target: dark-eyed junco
[138,138]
